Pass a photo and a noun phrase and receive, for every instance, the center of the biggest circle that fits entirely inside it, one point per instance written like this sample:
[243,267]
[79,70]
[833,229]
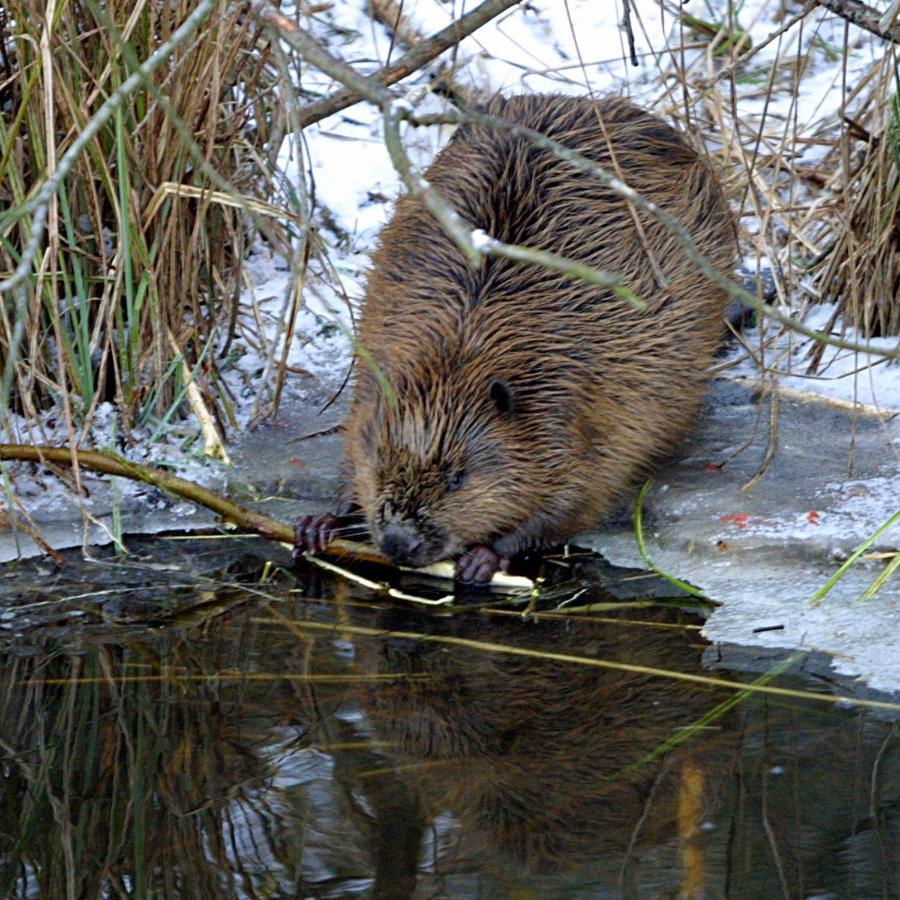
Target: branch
[419,56]
[626,24]
[476,244]
[555,263]
[665,218]
[863,16]
[111,464]
[395,111]
[313,52]
[248,519]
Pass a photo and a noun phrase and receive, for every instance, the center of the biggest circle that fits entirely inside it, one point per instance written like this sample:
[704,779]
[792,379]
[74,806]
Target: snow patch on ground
[848,376]
[844,374]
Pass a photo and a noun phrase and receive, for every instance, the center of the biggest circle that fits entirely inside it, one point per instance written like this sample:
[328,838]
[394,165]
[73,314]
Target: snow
[481,240]
[845,375]
[534,49]
[537,48]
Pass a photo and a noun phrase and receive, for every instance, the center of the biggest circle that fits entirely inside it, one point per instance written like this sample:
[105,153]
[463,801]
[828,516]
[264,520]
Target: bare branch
[243,517]
[863,16]
[395,111]
[492,247]
[314,53]
[626,24]
[452,222]
[419,56]
[665,218]
[111,464]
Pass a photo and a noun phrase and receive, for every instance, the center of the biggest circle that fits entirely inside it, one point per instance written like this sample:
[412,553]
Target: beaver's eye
[454,482]
[502,396]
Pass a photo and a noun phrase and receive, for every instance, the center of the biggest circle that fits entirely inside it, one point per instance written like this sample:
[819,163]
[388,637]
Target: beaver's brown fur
[507,407]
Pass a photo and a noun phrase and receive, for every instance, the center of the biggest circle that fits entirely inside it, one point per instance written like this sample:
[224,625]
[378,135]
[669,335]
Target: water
[186,723]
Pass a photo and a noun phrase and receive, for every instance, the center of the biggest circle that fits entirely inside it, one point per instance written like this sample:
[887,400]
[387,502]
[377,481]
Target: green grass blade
[638,519]
[819,595]
[882,578]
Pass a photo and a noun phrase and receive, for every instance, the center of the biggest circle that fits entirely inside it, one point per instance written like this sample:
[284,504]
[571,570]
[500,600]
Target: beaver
[503,408]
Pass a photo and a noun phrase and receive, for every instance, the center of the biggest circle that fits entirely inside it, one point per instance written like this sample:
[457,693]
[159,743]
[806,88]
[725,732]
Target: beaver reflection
[539,760]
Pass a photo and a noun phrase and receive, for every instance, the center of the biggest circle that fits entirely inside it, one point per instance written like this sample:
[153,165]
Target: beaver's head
[444,461]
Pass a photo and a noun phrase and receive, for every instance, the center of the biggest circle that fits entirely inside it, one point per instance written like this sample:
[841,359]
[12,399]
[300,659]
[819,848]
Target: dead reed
[136,289]
[140,263]
[859,269]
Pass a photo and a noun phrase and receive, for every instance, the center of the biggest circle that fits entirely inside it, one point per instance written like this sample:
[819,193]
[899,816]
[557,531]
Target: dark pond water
[186,723]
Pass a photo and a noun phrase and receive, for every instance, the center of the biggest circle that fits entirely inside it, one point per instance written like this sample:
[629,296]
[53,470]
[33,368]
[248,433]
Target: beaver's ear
[502,396]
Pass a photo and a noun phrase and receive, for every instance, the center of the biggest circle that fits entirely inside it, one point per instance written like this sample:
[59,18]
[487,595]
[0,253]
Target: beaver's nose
[400,543]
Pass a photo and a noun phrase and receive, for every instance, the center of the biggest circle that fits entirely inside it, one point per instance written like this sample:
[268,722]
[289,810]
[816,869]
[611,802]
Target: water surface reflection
[263,740]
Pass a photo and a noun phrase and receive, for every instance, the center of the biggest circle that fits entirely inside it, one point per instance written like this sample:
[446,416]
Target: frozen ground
[764,551]
[761,552]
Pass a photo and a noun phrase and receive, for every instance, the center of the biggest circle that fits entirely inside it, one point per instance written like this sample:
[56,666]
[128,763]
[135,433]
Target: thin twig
[626,24]
[452,223]
[665,218]
[257,523]
[313,52]
[111,464]
[785,26]
[449,219]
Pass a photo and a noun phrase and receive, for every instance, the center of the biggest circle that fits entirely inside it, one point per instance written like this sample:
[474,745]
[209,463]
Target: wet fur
[549,396]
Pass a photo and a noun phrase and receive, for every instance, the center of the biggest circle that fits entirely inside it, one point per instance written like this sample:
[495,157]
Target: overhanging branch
[863,16]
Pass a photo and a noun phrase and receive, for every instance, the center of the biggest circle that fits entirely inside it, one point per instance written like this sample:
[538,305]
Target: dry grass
[137,287]
[860,269]
[131,276]
[825,221]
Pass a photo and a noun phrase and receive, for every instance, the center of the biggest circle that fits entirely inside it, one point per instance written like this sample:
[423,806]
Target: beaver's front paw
[478,564]
[312,533]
